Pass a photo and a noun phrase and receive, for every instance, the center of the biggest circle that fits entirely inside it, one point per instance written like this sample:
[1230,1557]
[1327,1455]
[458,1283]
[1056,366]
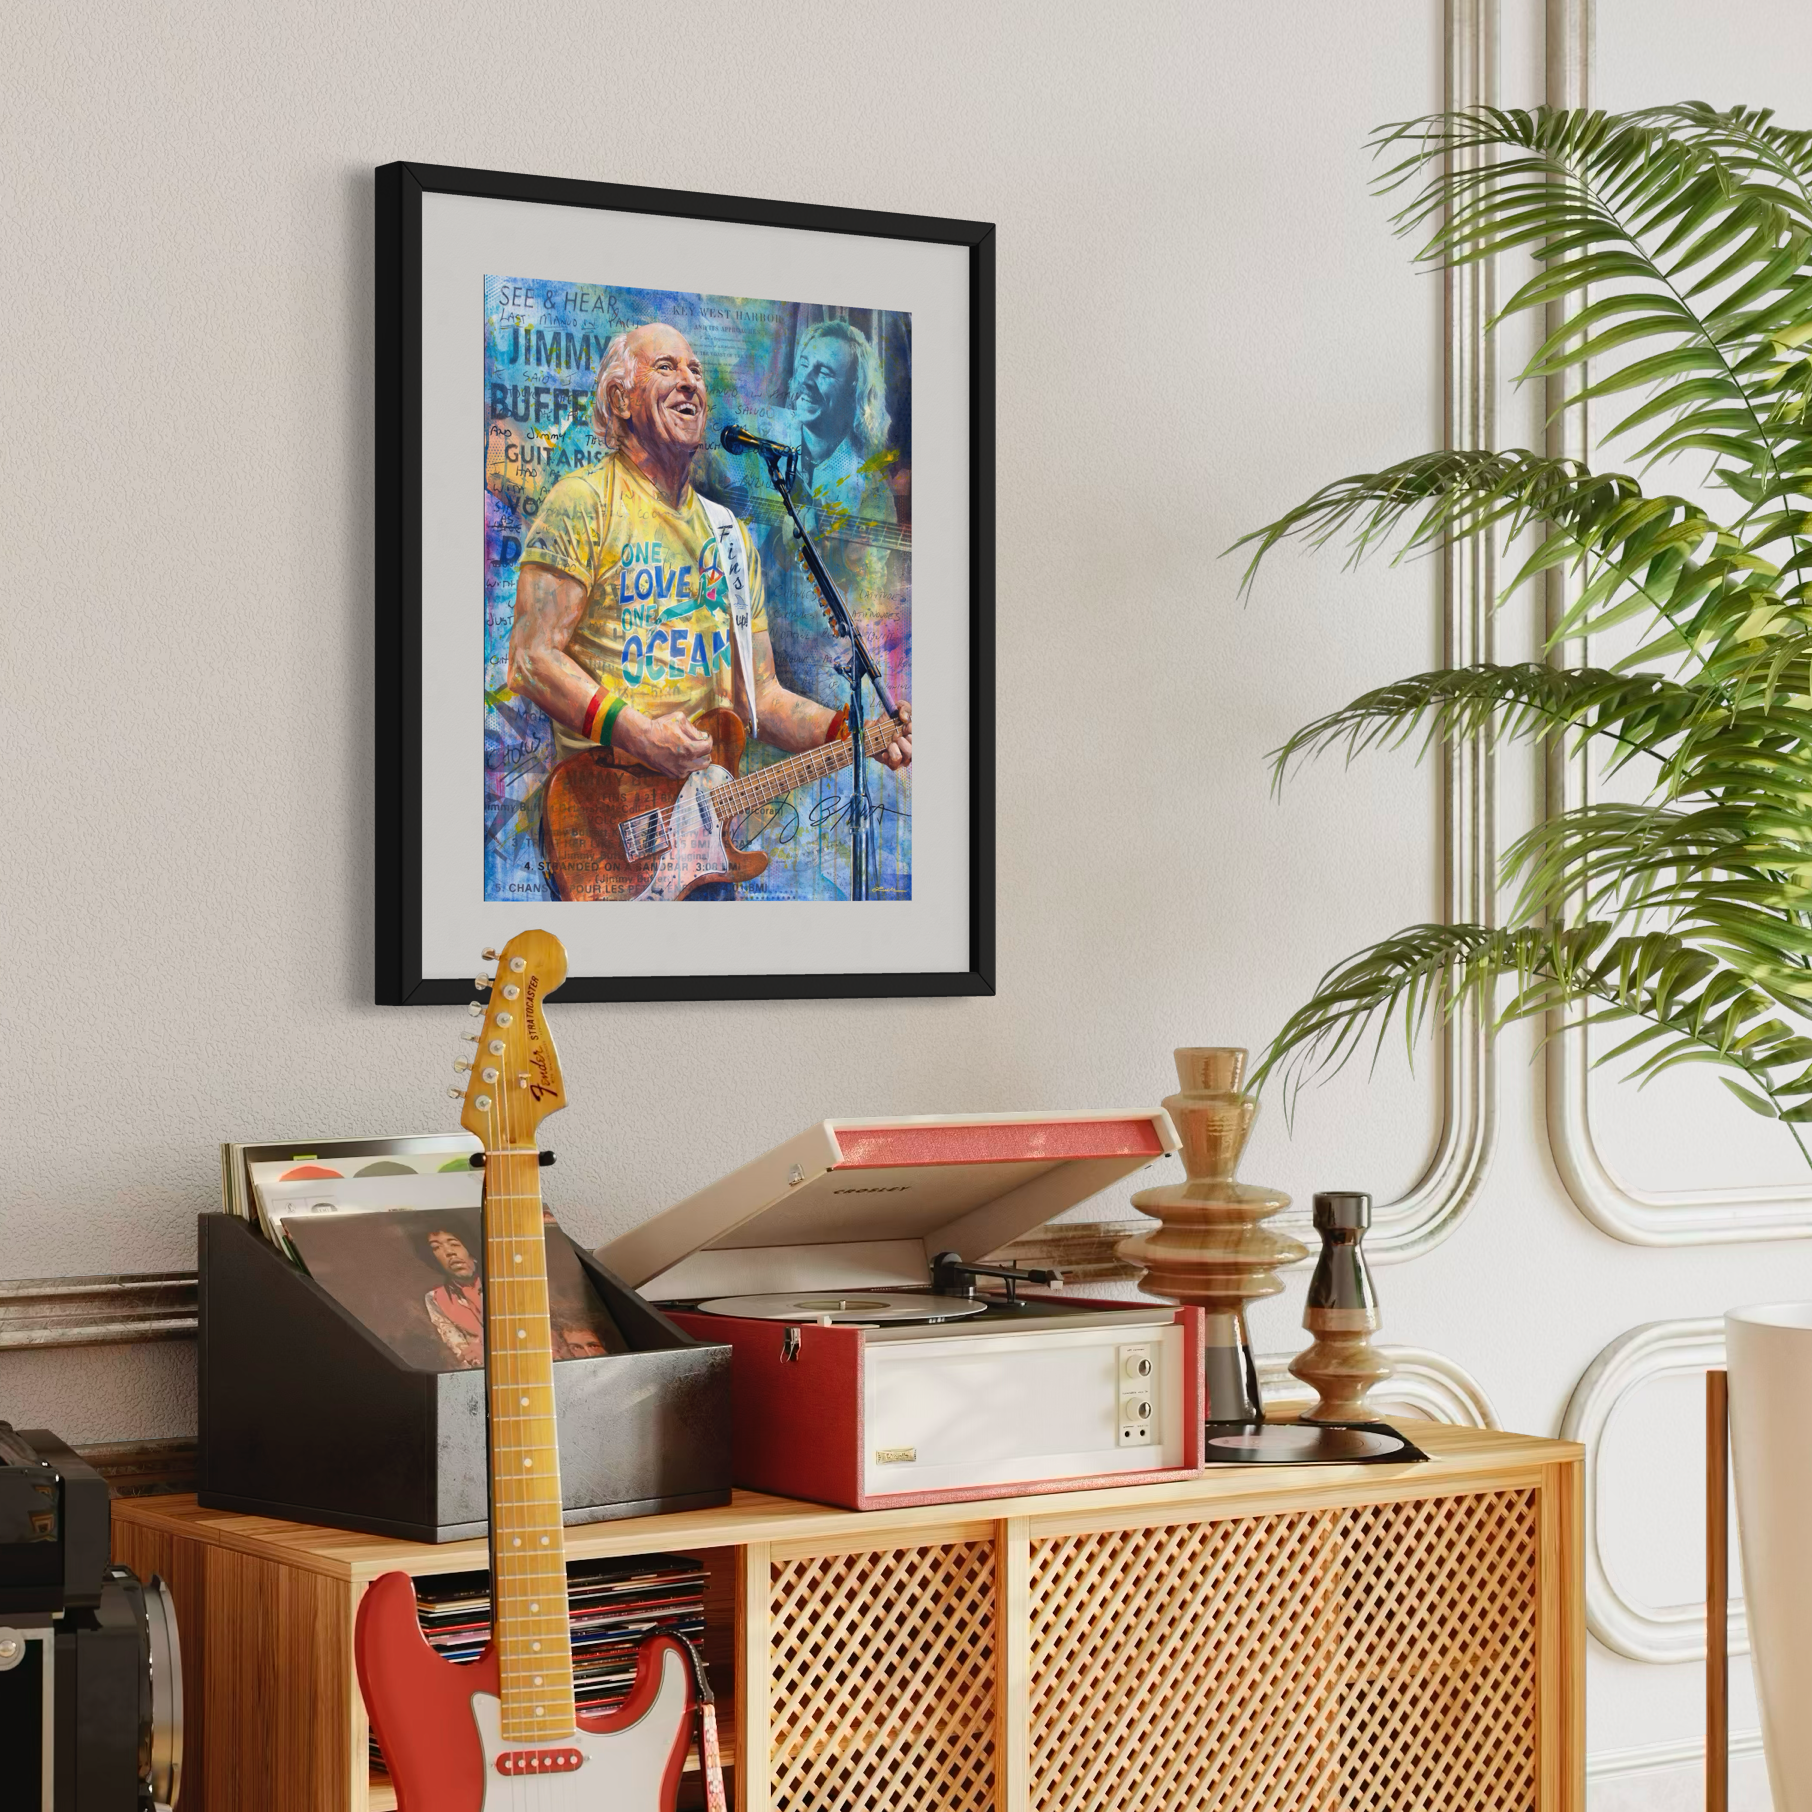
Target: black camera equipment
[90,1671]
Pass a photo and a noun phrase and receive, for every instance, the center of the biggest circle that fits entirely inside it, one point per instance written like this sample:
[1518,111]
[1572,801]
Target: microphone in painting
[735,440]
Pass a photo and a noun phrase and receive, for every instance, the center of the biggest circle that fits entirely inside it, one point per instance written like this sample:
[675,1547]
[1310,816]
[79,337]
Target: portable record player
[878,1359]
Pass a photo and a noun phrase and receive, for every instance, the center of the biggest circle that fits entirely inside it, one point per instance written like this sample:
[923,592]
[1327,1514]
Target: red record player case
[865,1204]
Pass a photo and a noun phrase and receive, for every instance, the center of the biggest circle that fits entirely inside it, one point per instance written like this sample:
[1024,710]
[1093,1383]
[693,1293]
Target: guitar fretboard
[528,1545]
[834,524]
[751,790]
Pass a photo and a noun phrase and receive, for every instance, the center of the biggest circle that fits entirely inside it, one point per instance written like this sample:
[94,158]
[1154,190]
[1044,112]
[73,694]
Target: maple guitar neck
[744,794]
[504,1732]
[530,1630]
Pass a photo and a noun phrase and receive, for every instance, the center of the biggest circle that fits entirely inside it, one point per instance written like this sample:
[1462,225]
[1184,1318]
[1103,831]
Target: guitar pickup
[643,836]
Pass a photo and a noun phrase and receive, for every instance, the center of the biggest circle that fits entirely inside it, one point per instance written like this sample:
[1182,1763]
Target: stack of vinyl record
[615,1606]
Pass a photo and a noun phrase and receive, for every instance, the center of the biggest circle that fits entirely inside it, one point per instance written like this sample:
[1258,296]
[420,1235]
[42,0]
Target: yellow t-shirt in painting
[655,630]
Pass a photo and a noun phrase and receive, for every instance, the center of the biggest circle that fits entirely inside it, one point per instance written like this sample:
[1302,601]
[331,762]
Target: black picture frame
[398,389]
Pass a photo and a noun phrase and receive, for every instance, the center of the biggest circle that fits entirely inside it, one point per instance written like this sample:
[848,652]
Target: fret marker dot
[537,1679]
[522,1333]
[519,1258]
[516,1542]
[536,1646]
[534,1607]
[525,1402]
[544,1541]
[526,1464]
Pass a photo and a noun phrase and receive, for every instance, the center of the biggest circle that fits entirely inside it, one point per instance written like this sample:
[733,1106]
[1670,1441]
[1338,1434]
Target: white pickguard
[622,1771]
[695,841]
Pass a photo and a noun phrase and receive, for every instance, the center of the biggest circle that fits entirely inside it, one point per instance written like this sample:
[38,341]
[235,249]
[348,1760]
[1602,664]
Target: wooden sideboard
[1266,1639]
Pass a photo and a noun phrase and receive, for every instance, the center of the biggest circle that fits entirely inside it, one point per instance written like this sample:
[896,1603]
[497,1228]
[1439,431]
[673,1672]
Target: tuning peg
[455,1093]
[481,981]
[462,1063]
[490,956]
[475,1008]
[471,1038]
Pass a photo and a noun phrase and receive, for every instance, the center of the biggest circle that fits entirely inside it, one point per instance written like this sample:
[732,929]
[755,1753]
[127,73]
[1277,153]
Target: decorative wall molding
[1641,1217]
[1611,1763]
[1659,1633]
[97,1311]
[1424,1384]
[1437,1201]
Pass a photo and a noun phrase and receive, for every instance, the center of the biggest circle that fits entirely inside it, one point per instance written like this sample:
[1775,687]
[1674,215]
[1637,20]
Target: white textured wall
[1202,316]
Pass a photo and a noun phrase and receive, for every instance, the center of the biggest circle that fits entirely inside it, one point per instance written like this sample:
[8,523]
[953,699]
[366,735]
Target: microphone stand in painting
[853,660]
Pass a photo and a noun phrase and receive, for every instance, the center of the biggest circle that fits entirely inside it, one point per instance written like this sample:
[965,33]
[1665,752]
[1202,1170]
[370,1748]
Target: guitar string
[505,1586]
[505,1580]
[853,528]
[493,1305]
[523,1792]
[787,776]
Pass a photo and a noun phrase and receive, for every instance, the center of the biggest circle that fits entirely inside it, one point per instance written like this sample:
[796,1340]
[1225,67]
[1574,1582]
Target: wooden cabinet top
[1461,1459]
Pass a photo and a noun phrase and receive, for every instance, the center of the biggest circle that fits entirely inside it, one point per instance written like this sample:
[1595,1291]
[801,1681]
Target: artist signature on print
[778,824]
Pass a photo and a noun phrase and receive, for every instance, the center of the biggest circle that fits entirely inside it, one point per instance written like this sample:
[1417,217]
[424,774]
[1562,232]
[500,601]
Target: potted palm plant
[1672,253]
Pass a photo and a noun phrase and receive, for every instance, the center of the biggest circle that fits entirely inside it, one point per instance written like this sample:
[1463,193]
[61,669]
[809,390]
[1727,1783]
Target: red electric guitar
[503,1733]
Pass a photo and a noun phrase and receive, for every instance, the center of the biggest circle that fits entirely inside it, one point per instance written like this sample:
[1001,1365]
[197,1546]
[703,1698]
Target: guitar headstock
[515,1082]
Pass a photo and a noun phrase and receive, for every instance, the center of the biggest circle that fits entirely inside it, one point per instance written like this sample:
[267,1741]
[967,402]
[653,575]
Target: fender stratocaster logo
[896,1456]
[542,1087]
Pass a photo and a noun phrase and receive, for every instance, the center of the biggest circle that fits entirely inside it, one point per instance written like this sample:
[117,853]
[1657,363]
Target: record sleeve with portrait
[414,1277]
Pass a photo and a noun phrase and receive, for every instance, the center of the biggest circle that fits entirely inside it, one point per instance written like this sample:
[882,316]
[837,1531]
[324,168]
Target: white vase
[1769,1350]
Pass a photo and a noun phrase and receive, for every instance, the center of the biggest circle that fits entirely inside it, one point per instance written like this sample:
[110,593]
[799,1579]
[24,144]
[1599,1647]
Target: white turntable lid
[866,1203]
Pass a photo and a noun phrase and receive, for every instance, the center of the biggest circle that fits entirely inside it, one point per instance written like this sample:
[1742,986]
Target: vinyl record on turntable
[853,1308]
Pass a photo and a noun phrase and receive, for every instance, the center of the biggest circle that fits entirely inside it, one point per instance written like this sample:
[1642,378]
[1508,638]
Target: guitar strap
[709,1755]
[742,613]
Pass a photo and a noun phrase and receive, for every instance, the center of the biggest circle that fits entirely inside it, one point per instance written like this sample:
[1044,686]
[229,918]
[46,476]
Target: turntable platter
[850,1308]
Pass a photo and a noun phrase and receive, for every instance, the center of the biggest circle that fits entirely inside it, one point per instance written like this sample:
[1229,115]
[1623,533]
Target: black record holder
[308,1415]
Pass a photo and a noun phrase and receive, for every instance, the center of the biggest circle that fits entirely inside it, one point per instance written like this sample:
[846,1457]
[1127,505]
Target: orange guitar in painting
[628,833]
[504,1734]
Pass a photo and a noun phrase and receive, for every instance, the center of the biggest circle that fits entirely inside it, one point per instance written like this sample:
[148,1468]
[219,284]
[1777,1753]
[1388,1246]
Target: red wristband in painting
[838,728]
[589,726]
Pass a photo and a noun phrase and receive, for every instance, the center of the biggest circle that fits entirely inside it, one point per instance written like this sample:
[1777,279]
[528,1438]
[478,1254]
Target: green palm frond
[1680,240]
[1776,159]
[1637,713]
[1710,593]
[1687,1006]
[1697,269]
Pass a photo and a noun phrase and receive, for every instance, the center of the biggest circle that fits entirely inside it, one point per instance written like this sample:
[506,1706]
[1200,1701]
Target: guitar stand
[853,661]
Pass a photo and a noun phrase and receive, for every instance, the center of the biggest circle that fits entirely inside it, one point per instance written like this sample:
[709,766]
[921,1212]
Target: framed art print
[684,563]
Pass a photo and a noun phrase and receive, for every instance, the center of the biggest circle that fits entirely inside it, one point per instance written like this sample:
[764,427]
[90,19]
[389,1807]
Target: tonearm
[953,1275]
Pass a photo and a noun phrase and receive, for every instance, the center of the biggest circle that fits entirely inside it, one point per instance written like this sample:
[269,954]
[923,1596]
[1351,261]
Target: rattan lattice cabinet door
[1339,1660]
[882,1691]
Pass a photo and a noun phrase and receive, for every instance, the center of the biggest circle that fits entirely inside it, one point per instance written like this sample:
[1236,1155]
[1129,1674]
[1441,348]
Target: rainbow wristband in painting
[600,719]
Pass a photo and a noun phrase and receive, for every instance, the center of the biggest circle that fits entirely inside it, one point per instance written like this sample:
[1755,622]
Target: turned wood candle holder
[1212,1248]
[1342,1314]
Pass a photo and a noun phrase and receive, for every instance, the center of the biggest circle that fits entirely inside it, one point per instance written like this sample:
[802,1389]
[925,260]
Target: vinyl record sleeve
[412,1276]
